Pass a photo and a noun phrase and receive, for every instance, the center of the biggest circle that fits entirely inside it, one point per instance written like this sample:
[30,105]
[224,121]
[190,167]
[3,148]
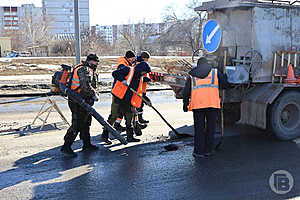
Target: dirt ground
[33,75]
[36,65]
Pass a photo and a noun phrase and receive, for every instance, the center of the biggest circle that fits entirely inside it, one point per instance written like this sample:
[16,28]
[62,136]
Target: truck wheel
[285,116]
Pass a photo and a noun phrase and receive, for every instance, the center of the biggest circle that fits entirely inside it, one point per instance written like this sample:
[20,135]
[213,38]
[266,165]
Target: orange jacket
[145,83]
[205,92]
[136,100]
[122,61]
[119,88]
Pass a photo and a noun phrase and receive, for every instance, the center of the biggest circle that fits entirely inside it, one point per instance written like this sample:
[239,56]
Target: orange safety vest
[205,92]
[75,85]
[136,100]
[119,88]
[122,60]
[145,84]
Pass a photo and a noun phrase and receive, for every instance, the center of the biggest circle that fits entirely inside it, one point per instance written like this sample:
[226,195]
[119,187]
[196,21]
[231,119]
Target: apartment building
[112,33]
[11,16]
[62,14]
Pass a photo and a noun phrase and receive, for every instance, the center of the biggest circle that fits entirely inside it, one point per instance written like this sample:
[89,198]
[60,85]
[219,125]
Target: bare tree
[185,29]
[64,48]
[94,42]
[91,42]
[138,37]
[35,30]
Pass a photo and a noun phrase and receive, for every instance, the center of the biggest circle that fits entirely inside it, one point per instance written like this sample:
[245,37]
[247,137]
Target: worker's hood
[123,61]
[202,69]
[139,59]
[143,67]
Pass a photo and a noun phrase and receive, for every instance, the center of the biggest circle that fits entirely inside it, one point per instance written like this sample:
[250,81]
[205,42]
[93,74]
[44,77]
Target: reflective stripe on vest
[130,75]
[75,85]
[119,88]
[205,92]
[75,80]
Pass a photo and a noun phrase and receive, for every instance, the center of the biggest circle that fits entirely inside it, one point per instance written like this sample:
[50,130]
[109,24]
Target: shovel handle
[148,103]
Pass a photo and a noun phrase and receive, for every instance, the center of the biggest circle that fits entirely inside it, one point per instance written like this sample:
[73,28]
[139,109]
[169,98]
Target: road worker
[124,61]
[201,95]
[144,58]
[84,81]
[124,100]
[138,126]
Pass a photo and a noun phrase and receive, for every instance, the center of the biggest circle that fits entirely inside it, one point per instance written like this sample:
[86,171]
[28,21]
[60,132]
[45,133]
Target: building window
[11,27]
[8,18]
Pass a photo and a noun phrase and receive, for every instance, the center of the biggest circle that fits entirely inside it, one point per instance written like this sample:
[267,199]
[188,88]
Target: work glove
[95,98]
[124,82]
[185,107]
[148,101]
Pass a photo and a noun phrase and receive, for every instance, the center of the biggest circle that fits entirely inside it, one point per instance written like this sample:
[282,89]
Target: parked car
[13,55]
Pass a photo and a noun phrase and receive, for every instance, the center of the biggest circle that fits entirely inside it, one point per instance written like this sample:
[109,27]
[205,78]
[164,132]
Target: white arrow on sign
[211,35]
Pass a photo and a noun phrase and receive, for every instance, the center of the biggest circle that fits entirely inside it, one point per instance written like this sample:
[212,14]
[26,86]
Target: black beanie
[129,54]
[145,54]
[92,57]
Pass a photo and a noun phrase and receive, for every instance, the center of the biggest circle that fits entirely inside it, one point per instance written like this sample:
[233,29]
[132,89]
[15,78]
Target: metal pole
[77,32]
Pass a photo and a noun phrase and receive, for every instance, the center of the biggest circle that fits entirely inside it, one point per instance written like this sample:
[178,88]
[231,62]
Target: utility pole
[77,32]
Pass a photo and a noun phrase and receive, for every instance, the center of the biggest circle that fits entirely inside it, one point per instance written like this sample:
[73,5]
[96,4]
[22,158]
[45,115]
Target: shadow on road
[34,129]
[240,171]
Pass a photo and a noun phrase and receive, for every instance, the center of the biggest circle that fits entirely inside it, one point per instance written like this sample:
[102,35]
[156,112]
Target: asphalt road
[240,171]
[32,167]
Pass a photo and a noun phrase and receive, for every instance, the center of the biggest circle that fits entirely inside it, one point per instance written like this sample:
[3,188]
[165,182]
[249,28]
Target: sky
[119,11]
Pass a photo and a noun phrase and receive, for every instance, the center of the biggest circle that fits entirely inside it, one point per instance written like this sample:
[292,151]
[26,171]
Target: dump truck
[261,40]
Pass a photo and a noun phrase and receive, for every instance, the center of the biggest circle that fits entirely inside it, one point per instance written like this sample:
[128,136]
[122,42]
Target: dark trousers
[119,107]
[140,109]
[204,132]
[81,122]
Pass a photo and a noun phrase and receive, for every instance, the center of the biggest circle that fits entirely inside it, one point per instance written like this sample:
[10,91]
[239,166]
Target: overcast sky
[118,11]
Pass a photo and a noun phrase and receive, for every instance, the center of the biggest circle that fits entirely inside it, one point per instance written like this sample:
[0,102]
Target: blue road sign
[211,36]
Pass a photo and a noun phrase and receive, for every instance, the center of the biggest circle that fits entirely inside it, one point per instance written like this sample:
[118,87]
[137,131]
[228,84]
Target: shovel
[180,135]
[218,146]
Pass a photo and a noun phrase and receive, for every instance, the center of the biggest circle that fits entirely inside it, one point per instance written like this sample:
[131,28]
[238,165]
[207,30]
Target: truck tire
[285,116]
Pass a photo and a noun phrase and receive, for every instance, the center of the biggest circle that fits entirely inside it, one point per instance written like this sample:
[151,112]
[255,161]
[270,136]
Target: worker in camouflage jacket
[84,81]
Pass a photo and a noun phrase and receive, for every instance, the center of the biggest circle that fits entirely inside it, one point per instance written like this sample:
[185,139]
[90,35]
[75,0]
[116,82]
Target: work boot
[130,138]
[208,154]
[138,128]
[141,120]
[119,128]
[104,137]
[141,126]
[197,155]
[87,146]
[67,150]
